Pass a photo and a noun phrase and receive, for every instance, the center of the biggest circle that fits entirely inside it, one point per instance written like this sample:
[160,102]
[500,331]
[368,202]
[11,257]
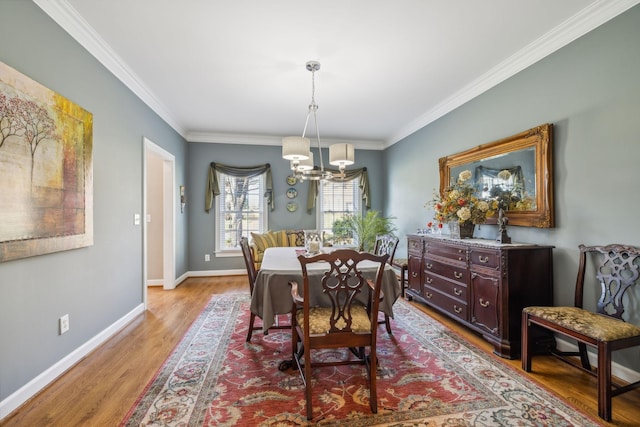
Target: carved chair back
[617,272]
[248,262]
[386,245]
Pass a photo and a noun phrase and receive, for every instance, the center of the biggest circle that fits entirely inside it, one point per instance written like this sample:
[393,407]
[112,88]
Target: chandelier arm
[306,123]
[315,119]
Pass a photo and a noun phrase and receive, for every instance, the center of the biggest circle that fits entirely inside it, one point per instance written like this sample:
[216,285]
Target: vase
[313,241]
[461,230]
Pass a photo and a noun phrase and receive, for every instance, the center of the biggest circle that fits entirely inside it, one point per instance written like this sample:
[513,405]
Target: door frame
[168,209]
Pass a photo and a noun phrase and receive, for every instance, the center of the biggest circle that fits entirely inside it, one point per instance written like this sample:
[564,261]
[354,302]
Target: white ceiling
[234,71]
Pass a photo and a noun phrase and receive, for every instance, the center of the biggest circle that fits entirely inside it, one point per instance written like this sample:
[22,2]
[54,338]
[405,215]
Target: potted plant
[364,229]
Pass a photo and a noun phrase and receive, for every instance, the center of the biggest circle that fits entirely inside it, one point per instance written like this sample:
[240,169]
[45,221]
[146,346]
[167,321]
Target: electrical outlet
[207,257]
[63,324]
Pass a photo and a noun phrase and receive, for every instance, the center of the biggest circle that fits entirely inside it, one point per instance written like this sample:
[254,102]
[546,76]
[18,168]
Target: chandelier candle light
[296,149]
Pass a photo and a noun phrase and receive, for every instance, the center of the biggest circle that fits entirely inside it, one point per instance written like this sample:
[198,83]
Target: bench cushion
[597,326]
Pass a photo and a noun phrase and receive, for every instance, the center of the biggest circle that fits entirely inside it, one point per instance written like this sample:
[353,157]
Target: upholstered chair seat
[597,326]
[320,318]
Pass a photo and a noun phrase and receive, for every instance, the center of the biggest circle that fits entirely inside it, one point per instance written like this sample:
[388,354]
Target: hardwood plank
[101,388]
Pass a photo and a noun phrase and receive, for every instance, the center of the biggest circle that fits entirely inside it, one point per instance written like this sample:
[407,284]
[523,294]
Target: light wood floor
[100,389]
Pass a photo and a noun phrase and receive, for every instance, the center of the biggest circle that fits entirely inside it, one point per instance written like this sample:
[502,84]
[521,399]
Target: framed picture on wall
[46,169]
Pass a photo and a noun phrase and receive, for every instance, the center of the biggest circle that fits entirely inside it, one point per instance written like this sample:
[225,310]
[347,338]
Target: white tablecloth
[272,293]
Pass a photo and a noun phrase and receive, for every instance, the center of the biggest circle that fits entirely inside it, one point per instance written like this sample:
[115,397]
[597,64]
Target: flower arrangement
[459,203]
[511,200]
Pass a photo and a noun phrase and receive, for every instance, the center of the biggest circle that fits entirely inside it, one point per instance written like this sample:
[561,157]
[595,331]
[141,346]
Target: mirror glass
[515,171]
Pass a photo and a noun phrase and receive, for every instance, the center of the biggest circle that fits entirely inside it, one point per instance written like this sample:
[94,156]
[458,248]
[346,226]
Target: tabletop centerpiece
[460,208]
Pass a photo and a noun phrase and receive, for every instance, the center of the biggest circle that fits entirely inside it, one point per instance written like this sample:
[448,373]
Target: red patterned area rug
[427,376]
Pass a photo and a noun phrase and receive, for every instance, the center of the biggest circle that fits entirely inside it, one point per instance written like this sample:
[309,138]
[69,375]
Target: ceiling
[234,72]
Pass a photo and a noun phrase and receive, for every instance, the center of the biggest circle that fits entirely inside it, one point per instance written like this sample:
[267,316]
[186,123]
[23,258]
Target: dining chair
[341,319]
[387,244]
[252,274]
[596,321]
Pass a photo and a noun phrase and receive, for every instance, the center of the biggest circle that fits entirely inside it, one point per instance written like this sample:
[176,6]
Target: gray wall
[99,284]
[590,91]
[201,224]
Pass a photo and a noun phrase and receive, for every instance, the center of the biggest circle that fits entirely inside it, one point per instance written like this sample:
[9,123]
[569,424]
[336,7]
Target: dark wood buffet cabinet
[481,283]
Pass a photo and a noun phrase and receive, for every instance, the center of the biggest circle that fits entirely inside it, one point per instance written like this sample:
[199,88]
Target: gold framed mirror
[517,171]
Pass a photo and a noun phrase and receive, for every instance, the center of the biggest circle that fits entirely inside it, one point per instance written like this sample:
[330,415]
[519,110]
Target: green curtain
[349,175]
[213,188]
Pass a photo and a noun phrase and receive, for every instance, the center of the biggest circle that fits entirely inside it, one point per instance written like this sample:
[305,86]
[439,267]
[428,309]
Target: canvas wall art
[46,169]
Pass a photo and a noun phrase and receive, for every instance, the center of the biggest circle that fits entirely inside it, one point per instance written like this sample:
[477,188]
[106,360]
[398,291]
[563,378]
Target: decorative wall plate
[292,206]
[291,180]
[292,193]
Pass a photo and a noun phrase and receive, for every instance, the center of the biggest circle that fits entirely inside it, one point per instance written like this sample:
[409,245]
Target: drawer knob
[457,309]
[414,274]
[483,260]
[484,303]
[429,280]
[428,295]
[457,275]
[457,291]
[429,266]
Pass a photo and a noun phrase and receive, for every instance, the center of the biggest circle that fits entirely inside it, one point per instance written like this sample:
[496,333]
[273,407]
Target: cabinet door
[414,282]
[485,308]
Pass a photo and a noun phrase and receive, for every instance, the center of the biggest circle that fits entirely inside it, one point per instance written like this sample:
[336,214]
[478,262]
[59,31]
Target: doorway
[158,217]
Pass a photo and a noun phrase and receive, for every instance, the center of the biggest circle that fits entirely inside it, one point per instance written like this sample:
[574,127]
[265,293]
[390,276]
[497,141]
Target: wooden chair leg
[387,324]
[251,321]
[604,381]
[526,344]
[307,375]
[373,392]
[584,357]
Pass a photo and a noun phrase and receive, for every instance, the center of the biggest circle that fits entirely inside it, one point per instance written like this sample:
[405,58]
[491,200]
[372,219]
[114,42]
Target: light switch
[136,219]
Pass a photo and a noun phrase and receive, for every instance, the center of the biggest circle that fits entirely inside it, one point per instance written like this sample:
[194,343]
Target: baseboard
[205,273]
[619,371]
[26,392]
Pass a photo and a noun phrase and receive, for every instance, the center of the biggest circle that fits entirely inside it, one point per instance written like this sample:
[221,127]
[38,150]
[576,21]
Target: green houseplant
[364,229]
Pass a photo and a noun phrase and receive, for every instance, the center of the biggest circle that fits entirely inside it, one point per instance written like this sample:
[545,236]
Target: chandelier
[297,149]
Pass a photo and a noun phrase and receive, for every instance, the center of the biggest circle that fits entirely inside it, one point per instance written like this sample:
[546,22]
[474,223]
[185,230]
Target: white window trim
[224,253]
[358,202]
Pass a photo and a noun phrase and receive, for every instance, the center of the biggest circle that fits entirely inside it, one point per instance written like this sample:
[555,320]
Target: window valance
[213,188]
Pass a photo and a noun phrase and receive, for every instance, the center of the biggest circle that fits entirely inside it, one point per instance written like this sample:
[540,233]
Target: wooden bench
[603,328]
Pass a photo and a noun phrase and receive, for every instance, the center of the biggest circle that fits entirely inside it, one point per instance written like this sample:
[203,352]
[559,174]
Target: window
[335,201]
[240,210]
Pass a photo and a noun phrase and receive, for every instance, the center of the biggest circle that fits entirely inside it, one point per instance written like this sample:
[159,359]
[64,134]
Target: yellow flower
[464,214]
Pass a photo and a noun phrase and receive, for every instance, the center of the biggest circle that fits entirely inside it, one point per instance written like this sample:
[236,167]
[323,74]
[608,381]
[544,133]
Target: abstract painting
[46,169]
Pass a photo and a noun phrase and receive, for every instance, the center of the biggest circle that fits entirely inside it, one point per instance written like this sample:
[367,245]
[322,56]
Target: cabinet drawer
[453,252]
[454,290]
[415,246]
[454,272]
[452,306]
[485,257]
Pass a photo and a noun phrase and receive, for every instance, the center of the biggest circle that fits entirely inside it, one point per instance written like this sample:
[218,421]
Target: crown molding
[240,139]
[576,26]
[73,23]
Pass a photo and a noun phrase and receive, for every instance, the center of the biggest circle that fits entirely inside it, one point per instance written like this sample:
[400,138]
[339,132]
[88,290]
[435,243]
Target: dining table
[280,265]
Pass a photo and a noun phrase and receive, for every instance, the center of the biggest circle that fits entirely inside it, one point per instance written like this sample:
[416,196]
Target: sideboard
[481,283]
